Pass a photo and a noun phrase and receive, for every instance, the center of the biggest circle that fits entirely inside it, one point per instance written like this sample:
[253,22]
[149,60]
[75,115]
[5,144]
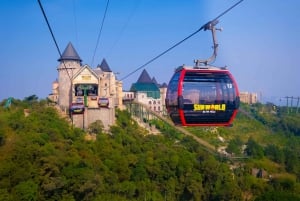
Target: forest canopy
[44,158]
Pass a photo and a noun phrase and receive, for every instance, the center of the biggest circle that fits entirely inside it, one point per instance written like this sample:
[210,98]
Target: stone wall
[106,115]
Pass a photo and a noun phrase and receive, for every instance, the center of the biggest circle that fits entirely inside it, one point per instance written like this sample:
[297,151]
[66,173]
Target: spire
[104,66]
[144,77]
[154,81]
[70,54]
[164,85]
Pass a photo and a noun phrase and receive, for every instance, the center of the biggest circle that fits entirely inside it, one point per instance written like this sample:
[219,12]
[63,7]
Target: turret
[55,87]
[70,63]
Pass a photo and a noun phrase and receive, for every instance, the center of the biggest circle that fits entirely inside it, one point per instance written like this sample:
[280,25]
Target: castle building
[148,92]
[86,94]
[248,98]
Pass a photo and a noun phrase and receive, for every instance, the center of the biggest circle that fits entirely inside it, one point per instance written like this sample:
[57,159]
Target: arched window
[154,102]
[150,102]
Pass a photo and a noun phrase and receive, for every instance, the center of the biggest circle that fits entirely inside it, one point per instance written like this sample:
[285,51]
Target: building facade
[249,98]
[148,92]
[86,94]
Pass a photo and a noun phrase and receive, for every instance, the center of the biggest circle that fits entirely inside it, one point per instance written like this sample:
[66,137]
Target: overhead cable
[99,35]
[186,38]
[123,28]
[48,24]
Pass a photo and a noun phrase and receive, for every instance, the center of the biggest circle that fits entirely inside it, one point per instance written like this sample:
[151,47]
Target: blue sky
[259,43]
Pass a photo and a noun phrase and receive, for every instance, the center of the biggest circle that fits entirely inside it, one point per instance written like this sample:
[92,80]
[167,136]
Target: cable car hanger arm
[210,26]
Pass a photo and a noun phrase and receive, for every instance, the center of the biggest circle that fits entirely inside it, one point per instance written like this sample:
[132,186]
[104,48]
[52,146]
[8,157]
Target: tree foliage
[254,149]
[44,158]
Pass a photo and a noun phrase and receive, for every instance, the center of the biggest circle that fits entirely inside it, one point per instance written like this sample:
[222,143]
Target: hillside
[44,158]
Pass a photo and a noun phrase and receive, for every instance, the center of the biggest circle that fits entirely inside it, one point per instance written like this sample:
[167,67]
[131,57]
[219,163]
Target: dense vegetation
[267,138]
[44,158]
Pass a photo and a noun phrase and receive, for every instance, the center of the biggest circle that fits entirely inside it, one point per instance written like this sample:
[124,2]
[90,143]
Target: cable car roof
[206,67]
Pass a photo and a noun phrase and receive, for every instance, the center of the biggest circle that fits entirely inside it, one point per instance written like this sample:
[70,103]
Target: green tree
[292,163]
[254,149]
[27,191]
[278,196]
[5,195]
[274,153]
[96,127]
[32,98]
[234,146]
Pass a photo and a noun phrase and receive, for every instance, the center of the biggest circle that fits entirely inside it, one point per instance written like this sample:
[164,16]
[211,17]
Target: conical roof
[104,66]
[70,54]
[164,85]
[144,77]
[154,81]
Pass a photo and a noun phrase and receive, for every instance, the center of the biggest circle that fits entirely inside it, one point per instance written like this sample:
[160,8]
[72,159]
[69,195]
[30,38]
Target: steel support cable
[123,28]
[161,54]
[49,27]
[99,35]
[186,38]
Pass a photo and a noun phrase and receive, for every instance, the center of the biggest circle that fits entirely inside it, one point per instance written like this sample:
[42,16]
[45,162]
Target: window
[172,98]
[89,89]
[208,88]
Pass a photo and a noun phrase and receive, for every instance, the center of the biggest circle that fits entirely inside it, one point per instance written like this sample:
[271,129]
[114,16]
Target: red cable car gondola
[203,95]
[77,108]
[103,102]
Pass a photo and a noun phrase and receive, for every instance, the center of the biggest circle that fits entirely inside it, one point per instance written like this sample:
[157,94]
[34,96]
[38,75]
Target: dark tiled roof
[154,81]
[164,85]
[144,77]
[98,70]
[104,66]
[70,54]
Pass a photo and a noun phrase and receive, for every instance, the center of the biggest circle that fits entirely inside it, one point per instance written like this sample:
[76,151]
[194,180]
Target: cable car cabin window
[208,98]
[172,98]
[172,95]
[207,88]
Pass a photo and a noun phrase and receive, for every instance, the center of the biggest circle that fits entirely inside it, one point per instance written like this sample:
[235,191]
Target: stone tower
[55,91]
[70,63]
